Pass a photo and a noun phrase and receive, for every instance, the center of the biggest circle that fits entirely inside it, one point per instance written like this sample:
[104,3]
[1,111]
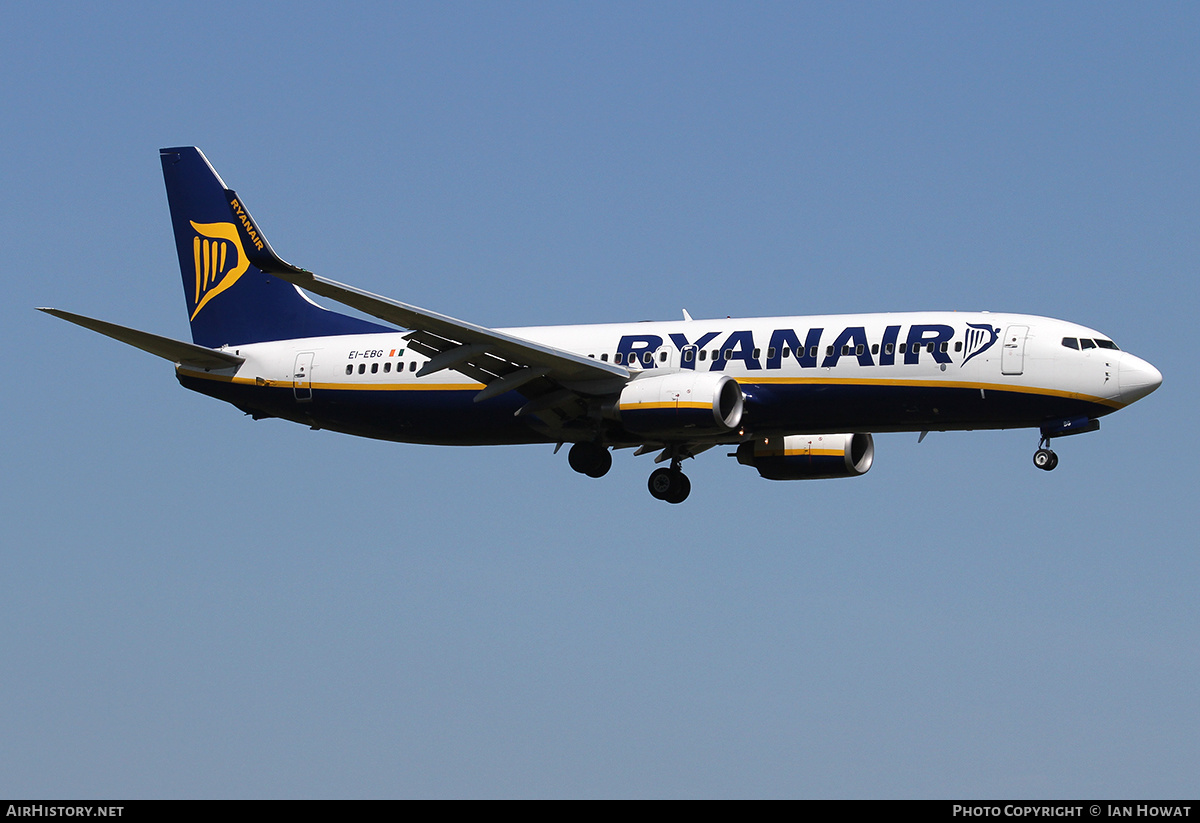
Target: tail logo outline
[216,269]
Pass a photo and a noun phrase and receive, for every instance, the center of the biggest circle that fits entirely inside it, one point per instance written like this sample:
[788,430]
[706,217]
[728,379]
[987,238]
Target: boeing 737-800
[797,397]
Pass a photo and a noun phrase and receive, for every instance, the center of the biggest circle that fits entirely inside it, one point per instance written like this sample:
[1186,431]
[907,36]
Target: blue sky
[201,605]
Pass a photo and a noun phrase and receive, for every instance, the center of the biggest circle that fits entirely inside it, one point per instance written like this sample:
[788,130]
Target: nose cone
[1136,378]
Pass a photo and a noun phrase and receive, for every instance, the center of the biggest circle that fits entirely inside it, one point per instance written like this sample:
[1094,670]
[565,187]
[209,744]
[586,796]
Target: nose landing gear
[1044,458]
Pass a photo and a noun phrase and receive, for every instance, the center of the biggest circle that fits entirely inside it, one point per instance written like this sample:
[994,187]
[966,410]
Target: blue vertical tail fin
[231,301]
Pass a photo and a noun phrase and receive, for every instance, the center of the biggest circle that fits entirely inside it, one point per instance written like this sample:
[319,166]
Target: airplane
[796,397]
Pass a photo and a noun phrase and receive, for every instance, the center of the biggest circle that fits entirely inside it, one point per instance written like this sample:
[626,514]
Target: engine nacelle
[809,456]
[680,403]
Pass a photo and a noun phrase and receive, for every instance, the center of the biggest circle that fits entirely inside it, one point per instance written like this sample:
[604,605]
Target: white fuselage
[873,372]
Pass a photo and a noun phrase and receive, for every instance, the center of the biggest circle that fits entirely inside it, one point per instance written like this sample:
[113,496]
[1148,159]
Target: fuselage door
[1012,357]
[302,376]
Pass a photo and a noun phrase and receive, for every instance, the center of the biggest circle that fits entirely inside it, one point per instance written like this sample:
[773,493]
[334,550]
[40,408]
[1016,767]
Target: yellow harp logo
[220,260]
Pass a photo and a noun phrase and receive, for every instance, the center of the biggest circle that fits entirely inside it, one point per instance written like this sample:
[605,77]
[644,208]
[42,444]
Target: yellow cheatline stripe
[851,381]
[935,384]
[400,386]
[251,381]
[798,452]
[670,404]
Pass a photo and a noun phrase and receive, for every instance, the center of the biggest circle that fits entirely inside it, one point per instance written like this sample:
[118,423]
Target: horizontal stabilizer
[176,351]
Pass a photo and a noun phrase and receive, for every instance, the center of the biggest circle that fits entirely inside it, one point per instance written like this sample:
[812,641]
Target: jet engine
[809,456]
[680,404]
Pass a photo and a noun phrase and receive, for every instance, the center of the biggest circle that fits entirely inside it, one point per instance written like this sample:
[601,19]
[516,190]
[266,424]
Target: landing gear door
[1012,357]
[302,376]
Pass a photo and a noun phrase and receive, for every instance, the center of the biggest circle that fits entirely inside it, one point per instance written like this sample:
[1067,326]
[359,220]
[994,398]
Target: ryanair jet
[796,397]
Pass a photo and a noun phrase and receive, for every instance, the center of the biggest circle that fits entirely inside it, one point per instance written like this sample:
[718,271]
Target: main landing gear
[591,459]
[594,460]
[670,484]
[1044,458]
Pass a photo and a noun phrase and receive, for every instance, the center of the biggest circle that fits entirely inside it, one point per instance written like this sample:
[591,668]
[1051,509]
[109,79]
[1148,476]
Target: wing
[553,379]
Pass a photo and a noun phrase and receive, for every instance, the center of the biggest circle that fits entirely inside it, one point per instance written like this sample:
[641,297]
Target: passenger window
[890,348]
[648,358]
[958,346]
[860,348]
[374,368]
[786,351]
[728,354]
[845,350]
[812,352]
[903,348]
[703,354]
[771,353]
[349,370]
[829,351]
[929,348]
[387,367]
[604,358]
[689,355]
[875,348]
[412,366]
[362,368]
[662,356]
[757,353]
[944,346]
[617,358]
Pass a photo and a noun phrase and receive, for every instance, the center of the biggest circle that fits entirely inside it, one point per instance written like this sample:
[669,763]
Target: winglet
[258,250]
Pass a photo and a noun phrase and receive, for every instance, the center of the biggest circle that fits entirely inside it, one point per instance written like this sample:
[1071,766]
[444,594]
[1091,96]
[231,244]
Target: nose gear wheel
[1045,459]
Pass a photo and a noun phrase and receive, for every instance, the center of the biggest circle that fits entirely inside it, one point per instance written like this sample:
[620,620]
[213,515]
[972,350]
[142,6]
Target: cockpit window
[1084,343]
